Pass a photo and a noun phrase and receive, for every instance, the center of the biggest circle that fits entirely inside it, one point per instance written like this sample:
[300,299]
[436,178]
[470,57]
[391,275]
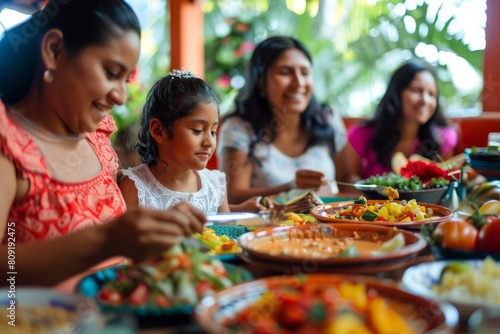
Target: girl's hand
[309,179]
[141,233]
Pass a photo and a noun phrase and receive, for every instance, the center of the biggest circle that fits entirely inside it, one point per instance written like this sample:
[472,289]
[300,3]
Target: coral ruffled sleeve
[19,148]
[101,140]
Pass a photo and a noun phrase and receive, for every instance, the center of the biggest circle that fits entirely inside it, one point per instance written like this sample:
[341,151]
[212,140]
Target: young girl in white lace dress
[177,138]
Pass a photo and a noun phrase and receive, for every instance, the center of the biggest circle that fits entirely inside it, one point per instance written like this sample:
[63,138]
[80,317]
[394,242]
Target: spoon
[382,190]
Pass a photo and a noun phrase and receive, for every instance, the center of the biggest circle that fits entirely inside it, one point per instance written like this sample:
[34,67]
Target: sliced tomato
[358,210]
[203,287]
[410,215]
[381,219]
[291,317]
[162,301]
[344,214]
[228,245]
[140,295]
[110,296]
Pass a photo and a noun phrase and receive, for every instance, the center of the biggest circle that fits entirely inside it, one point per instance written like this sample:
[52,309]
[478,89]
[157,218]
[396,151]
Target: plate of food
[427,195]
[320,303]
[467,284]
[166,286]
[403,214]
[294,219]
[43,310]
[331,245]
[220,240]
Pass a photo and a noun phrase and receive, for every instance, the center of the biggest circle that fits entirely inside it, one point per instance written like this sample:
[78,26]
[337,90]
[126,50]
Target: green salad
[402,183]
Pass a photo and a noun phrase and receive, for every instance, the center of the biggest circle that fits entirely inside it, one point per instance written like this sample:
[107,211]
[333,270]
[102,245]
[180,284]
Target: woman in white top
[280,137]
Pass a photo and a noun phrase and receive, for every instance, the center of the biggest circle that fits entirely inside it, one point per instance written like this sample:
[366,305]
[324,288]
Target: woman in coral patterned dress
[61,209]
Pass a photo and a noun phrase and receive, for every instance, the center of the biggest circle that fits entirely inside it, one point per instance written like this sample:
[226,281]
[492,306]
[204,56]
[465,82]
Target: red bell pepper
[358,210]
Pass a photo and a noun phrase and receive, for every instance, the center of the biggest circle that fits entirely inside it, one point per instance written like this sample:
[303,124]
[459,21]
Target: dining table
[126,323]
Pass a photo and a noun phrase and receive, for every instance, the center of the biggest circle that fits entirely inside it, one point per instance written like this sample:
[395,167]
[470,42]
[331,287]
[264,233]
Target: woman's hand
[309,179]
[253,204]
[141,232]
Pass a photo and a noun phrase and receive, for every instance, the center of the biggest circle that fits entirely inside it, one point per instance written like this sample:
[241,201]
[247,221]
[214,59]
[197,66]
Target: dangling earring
[48,76]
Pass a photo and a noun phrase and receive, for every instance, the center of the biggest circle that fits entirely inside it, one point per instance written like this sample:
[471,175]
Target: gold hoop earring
[48,76]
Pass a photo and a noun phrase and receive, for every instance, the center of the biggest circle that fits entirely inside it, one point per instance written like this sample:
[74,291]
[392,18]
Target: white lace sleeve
[221,179]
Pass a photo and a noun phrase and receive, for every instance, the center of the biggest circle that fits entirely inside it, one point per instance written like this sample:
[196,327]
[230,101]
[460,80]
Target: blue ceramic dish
[90,285]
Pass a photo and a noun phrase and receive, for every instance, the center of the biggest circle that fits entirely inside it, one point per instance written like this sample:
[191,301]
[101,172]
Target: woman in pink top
[407,119]
[61,210]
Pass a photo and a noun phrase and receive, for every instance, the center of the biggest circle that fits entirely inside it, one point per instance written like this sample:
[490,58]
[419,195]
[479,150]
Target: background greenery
[356,44]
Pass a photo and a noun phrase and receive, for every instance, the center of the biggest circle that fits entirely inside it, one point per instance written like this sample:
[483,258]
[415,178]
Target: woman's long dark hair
[82,22]
[255,109]
[389,112]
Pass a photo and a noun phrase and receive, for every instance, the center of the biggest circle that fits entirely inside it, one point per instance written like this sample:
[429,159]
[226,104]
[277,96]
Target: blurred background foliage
[356,45]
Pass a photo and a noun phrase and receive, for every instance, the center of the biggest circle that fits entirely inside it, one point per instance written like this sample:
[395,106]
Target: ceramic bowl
[414,243]
[39,307]
[420,279]
[423,315]
[323,213]
[432,196]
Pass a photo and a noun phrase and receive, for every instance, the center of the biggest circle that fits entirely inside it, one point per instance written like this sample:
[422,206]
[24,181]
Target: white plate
[420,278]
[89,317]
[235,218]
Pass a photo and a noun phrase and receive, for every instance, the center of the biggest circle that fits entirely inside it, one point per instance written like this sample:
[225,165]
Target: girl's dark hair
[171,98]
[82,22]
[389,112]
[255,109]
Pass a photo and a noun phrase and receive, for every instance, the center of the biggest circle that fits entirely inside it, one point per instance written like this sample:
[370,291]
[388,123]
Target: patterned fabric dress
[52,207]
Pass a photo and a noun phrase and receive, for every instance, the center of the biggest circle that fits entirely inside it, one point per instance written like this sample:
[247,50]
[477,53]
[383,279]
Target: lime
[492,207]
[395,243]
[456,268]
[350,251]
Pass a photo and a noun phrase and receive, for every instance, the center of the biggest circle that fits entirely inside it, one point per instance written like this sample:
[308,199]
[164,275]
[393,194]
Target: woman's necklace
[38,131]
[68,158]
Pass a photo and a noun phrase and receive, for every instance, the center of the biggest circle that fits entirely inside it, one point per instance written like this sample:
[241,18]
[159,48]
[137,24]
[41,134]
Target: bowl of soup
[331,244]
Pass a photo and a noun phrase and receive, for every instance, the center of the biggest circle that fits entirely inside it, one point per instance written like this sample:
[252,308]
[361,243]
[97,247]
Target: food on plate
[340,307]
[294,219]
[182,276]
[406,183]
[459,281]
[218,244]
[391,193]
[404,211]
[315,244]
[38,319]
